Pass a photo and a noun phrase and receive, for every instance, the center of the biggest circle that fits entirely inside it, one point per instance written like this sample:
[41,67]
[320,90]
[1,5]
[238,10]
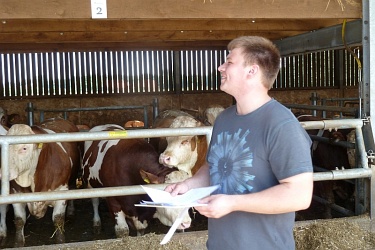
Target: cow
[42,167]
[328,156]
[187,153]
[210,114]
[125,162]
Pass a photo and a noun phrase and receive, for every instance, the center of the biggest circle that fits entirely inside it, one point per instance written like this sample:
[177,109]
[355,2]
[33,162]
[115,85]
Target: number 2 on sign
[99,8]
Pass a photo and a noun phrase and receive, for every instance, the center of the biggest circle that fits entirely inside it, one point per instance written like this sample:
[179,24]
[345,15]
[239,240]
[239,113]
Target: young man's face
[233,72]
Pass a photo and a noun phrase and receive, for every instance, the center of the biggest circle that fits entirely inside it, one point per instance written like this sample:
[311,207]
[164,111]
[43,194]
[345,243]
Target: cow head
[211,113]
[23,158]
[181,151]
[167,216]
[160,178]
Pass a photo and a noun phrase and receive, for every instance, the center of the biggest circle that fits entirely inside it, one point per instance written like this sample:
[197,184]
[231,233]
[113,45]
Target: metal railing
[82,136]
[363,170]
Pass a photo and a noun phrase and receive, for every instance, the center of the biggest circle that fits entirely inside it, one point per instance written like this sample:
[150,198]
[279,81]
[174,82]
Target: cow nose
[164,159]
[184,225]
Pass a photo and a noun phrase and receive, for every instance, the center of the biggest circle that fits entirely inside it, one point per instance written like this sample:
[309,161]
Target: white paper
[173,228]
[189,199]
[162,198]
[99,9]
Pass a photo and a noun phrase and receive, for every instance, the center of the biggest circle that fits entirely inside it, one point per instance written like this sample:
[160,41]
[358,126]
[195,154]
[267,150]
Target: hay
[333,234]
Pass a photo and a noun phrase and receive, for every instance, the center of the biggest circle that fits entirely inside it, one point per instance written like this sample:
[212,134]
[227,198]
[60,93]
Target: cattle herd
[43,167]
[56,166]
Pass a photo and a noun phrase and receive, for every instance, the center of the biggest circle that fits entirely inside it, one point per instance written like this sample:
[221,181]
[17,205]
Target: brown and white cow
[42,167]
[125,162]
[187,153]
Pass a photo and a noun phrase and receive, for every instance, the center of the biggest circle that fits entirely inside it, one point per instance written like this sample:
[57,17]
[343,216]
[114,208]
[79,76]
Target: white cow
[211,113]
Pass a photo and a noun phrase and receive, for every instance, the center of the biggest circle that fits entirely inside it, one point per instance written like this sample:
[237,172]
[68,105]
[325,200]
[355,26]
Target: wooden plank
[110,46]
[205,9]
[134,36]
[75,25]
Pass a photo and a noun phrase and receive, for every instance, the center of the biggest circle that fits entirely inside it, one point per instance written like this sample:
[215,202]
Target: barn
[110,62]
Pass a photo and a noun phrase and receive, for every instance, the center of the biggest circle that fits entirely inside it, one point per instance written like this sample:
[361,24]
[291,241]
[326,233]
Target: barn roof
[41,25]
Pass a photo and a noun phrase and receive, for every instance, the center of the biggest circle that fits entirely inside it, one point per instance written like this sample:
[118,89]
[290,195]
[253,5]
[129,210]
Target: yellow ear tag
[79,182]
[40,145]
[147,180]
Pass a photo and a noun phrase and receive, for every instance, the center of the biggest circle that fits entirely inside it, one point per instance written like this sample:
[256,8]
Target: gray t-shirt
[250,153]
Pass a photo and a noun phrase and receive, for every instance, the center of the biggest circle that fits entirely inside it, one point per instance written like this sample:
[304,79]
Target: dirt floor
[355,232]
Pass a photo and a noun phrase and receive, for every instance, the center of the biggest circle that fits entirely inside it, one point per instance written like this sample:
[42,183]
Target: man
[259,155]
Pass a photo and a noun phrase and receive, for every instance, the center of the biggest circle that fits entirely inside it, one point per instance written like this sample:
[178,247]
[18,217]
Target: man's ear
[253,70]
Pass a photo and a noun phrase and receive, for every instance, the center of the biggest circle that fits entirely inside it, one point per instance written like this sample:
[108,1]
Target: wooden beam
[206,9]
[134,36]
[89,25]
[110,46]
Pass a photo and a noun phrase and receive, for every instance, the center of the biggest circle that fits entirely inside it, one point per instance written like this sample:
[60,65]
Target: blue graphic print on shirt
[231,162]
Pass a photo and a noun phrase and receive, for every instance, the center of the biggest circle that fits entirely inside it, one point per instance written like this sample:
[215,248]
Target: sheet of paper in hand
[189,199]
[162,198]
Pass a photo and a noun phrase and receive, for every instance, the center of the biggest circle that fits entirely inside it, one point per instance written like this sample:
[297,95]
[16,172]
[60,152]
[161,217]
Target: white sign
[99,8]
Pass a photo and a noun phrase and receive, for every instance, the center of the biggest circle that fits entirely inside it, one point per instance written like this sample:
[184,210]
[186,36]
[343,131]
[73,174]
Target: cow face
[181,151]
[23,158]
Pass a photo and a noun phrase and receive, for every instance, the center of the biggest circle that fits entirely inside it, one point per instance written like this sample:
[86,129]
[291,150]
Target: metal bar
[324,108]
[145,117]
[372,193]
[92,109]
[344,144]
[367,88]
[361,147]
[340,209]
[341,99]
[4,168]
[322,39]
[332,124]
[76,194]
[343,174]
[105,135]
[30,113]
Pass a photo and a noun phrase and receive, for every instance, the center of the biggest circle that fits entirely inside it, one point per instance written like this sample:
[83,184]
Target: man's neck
[248,104]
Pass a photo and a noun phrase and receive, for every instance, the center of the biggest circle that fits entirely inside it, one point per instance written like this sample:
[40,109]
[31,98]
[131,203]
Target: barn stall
[63,58]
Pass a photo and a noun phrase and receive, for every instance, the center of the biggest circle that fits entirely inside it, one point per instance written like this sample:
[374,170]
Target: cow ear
[148,177]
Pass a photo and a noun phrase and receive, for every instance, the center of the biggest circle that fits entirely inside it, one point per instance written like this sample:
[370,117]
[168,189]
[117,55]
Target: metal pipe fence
[362,171]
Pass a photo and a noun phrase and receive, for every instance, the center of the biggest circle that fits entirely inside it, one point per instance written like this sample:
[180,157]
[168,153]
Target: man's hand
[217,206]
[177,188]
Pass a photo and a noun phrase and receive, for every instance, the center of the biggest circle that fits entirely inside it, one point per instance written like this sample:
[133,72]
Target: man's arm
[292,194]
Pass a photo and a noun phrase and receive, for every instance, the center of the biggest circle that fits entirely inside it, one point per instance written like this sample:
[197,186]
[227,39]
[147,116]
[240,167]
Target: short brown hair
[261,51]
